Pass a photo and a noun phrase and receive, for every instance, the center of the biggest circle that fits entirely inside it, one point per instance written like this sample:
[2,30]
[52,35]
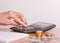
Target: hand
[18,18]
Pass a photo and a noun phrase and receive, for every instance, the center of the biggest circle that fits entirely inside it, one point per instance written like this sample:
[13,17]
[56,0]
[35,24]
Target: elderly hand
[12,18]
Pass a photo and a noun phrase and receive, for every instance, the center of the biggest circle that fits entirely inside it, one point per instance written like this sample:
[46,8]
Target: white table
[55,31]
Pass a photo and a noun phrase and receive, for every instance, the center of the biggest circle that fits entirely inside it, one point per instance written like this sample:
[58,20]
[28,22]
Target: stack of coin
[39,34]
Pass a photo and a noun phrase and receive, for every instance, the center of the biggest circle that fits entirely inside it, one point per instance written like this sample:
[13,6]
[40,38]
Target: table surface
[55,31]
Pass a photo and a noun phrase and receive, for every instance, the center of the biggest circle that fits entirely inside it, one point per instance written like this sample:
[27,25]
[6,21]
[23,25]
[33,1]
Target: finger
[10,22]
[13,22]
[19,21]
[21,16]
[23,19]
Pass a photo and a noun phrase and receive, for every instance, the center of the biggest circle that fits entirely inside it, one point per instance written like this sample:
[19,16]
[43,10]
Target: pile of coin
[40,35]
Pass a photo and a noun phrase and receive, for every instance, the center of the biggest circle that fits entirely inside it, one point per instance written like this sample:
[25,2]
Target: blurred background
[35,10]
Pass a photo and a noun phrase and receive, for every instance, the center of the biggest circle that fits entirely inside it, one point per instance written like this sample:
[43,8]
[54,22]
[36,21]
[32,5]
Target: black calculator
[38,26]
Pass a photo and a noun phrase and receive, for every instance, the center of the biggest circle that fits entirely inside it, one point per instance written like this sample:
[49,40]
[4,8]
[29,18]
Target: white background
[35,10]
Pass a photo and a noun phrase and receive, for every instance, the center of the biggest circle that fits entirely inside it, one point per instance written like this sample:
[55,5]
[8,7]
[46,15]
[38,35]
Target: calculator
[38,26]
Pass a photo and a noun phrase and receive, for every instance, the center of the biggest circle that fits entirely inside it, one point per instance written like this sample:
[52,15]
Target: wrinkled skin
[17,18]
